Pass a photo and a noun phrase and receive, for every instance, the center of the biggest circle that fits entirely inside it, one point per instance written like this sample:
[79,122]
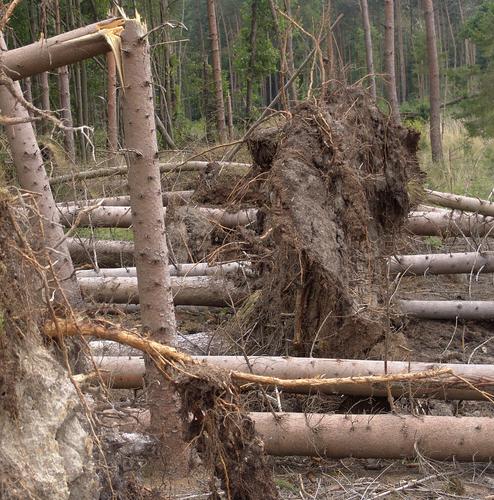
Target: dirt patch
[335,197]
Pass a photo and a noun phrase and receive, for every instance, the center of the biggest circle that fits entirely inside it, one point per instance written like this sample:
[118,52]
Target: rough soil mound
[336,194]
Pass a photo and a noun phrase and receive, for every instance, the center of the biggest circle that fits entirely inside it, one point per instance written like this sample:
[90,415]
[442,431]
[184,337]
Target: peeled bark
[112,129]
[368,46]
[128,371]
[377,436]
[170,197]
[448,309]
[61,50]
[116,216]
[101,252]
[434,82]
[187,166]
[32,177]
[450,263]
[389,59]
[449,223]
[197,269]
[218,81]
[469,204]
[195,291]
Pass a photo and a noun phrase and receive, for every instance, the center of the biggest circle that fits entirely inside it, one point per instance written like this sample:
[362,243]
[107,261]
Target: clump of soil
[335,197]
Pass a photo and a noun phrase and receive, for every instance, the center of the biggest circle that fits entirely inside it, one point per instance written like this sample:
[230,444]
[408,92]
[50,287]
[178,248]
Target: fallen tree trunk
[377,436]
[198,269]
[449,223]
[187,166]
[197,291]
[61,50]
[127,372]
[448,263]
[465,203]
[117,216]
[102,252]
[448,309]
[174,197]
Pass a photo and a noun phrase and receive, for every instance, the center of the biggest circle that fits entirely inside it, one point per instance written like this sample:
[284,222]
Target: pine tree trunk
[151,252]
[368,46]
[292,90]
[112,108]
[389,59]
[401,52]
[252,59]
[218,80]
[434,82]
[32,177]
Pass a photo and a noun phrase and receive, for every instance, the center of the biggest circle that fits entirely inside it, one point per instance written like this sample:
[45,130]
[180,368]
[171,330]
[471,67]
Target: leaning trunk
[389,59]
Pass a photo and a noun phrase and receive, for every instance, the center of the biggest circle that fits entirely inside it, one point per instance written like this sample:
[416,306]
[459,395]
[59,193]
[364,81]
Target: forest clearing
[245,249]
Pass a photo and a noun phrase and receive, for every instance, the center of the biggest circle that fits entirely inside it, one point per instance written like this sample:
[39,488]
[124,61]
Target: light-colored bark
[448,263]
[195,291]
[449,223]
[434,82]
[401,52]
[197,269]
[117,216]
[368,47]
[129,370]
[169,197]
[188,166]
[252,59]
[389,59]
[448,309]
[32,177]
[62,50]
[217,77]
[377,436]
[101,252]
[467,203]
[112,127]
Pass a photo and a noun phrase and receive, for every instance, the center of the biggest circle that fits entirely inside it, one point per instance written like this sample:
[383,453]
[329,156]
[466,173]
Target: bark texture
[457,202]
[151,252]
[112,129]
[434,82]
[389,59]
[368,46]
[448,309]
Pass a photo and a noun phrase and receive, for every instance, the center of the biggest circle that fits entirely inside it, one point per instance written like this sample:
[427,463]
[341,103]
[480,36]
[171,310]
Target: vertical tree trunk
[112,107]
[290,59]
[434,82]
[229,115]
[401,53]
[368,46]
[252,59]
[218,80]
[32,177]
[151,253]
[389,59]
[64,96]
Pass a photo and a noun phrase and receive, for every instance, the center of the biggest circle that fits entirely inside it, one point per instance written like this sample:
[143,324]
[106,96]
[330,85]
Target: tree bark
[368,47]
[62,50]
[32,177]
[465,203]
[377,436]
[252,59]
[151,252]
[101,252]
[112,108]
[290,59]
[448,263]
[389,59]
[434,82]
[448,309]
[126,370]
[401,52]
[187,291]
[218,80]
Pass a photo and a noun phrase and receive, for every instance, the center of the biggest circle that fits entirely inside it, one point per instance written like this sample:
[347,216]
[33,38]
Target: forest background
[262,43]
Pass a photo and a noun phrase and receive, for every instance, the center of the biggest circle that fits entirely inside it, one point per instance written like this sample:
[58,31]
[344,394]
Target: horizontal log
[116,216]
[446,223]
[187,166]
[61,50]
[174,197]
[108,252]
[439,263]
[128,372]
[377,436]
[197,291]
[198,269]
[465,203]
[448,309]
